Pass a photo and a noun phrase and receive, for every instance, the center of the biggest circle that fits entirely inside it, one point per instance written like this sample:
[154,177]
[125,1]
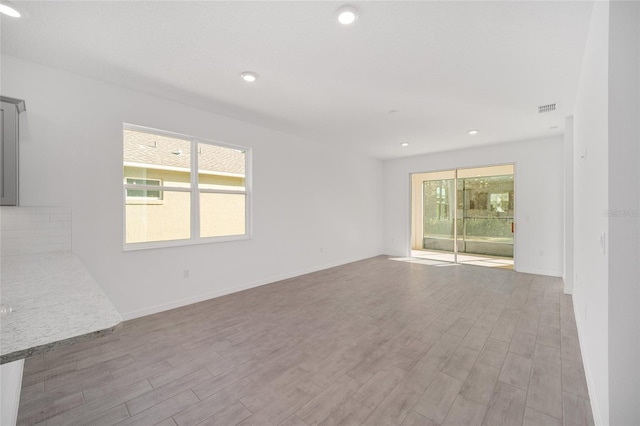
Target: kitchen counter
[48,301]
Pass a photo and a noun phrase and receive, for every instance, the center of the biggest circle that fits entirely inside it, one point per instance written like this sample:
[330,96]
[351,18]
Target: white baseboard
[10,387]
[223,292]
[548,273]
[568,289]
[595,409]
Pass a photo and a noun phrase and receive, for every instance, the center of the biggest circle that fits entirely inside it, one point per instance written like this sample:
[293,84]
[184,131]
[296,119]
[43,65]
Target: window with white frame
[182,190]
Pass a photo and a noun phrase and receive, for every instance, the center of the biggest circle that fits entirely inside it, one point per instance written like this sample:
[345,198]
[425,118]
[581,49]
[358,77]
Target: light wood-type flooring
[375,342]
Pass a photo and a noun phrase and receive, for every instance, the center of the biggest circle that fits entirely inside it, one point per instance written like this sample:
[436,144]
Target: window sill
[182,243]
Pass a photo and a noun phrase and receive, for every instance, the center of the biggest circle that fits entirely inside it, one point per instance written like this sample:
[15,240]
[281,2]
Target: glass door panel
[438,214]
[485,215]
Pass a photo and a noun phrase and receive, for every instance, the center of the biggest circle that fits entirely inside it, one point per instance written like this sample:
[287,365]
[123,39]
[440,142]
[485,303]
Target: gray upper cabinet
[9,149]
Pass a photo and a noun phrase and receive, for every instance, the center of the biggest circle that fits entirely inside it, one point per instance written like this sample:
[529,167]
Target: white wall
[607,202]
[313,207]
[624,205]
[539,202]
[590,293]
[568,273]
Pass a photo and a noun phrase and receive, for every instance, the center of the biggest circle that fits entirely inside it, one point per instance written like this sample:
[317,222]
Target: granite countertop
[47,301]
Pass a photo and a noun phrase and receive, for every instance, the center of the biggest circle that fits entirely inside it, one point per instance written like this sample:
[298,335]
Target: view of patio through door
[464,216]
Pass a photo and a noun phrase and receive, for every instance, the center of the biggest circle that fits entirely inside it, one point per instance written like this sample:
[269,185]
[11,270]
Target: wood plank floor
[376,342]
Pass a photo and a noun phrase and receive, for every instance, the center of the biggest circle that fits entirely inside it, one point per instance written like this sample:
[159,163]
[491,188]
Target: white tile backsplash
[31,230]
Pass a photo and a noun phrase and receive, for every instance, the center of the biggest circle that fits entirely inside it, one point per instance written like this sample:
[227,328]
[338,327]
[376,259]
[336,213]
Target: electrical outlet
[185,273]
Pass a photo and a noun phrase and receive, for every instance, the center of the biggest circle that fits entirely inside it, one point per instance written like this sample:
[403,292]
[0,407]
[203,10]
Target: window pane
[486,206]
[438,210]
[160,222]
[147,182]
[143,195]
[220,167]
[160,158]
[222,215]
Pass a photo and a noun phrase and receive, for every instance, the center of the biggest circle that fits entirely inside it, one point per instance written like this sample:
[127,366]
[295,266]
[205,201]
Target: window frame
[194,191]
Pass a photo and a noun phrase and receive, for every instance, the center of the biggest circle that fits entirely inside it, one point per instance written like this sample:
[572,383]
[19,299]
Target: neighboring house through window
[182,190]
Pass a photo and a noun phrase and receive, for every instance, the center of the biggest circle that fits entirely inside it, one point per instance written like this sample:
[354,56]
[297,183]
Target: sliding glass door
[464,215]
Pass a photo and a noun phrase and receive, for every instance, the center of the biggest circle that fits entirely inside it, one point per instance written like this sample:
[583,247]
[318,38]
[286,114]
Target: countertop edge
[26,353]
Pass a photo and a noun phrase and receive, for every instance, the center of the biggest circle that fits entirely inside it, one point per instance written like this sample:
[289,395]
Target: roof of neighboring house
[146,148]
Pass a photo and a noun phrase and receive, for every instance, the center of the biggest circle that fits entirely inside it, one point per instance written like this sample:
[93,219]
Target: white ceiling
[447,67]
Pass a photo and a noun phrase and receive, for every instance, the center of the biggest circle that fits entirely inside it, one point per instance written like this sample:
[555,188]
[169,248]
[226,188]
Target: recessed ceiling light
[9,11]
[473,132]
[347,15]
[404,144]
[249,76]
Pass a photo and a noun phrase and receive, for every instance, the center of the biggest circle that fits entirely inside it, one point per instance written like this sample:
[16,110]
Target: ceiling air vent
[546,108]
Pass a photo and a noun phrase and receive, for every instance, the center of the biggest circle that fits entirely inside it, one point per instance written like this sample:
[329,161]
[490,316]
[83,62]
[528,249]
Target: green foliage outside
[489,227]
[475,227]
[440,227]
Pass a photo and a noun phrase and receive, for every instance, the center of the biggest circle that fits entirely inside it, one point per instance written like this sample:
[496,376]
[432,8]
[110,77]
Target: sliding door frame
[455,170]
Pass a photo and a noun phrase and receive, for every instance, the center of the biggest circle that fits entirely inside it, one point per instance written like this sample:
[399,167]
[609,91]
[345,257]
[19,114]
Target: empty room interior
[318,212]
